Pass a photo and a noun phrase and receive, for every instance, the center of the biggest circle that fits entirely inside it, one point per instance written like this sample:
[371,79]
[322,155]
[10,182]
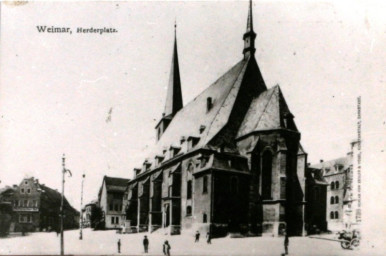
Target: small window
[112,220]
[332,185]
[336,215]
[332,201]
[116,220]
[25,203]
[189,210]
[111,207]
[22,190]
[189,190]
[205,185]
[336,184]
[204,218]
[337,200]
[332,215]
[29,191]
[26,182]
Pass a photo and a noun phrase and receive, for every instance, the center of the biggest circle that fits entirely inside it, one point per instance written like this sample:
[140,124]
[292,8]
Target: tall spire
[174,94]
[250,35]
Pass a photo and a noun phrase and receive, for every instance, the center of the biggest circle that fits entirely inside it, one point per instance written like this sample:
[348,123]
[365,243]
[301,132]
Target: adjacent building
[342,196]
[110,200]
[88,212]
[36,207]
[229,161]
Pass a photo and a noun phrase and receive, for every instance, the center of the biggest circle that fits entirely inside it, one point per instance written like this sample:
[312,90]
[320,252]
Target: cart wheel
[354,243]
[345,244]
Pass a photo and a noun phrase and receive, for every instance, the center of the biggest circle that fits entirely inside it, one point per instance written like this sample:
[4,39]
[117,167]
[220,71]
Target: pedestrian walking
[166,248]
[286,243]
[146,244]
[208,238]
[119,245]
[197,237]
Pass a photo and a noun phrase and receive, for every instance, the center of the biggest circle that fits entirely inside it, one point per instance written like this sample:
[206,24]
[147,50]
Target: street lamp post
[81,214]
[64,170]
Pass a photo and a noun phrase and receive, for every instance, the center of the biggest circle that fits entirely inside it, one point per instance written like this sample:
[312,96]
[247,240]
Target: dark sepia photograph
[218,128]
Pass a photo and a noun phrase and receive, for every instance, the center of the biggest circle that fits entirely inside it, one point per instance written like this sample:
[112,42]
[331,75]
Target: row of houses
[32,206]
[229,161]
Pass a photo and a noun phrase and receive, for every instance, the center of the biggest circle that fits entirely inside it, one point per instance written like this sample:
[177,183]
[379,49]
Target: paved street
[105,242]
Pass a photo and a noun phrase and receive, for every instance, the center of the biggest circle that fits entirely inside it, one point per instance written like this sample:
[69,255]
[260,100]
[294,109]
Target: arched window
[189,190]
[336,184]
[336,215]
[205,184]
[332,215]
[204,218]
[337,200]
[332,185]
[266,175]
[332,201]
[189,210]
[234,185]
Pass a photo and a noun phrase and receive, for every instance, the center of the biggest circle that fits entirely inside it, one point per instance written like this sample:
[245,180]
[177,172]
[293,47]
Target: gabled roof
[345,162]
[188,120]
[266,112]
[115,183]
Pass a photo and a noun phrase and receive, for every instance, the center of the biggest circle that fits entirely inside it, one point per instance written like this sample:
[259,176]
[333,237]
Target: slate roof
[115,183]
[343,161]
[266,112]
[188,120]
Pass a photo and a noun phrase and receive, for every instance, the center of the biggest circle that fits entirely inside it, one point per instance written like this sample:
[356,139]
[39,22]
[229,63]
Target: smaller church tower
[249,36]
[174,94]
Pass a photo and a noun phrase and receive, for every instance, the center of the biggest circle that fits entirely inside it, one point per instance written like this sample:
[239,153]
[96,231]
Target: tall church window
[205,184]
[189,190]
[204,218]
[337,200]
[266,175]
[332,201]
[332,185]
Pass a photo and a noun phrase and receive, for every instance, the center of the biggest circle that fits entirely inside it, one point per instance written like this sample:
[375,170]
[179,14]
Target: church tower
[249,36]
[174,95]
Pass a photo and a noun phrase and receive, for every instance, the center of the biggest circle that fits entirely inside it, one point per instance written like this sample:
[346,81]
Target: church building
[228,162]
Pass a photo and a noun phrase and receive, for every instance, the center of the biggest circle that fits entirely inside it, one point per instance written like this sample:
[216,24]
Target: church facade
[229,161]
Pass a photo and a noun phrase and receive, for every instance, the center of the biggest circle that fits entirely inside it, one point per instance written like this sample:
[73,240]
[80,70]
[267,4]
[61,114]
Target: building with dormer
[229,161]
[36,207]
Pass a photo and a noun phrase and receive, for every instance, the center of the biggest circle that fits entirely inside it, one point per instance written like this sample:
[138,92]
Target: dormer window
[137,171]
[209,104]
[182,140]
[192,142]
[159,159]
[146,165]
[174,151]
[202,128]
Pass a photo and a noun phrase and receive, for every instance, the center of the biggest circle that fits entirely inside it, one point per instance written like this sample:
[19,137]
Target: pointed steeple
[174,95]
[250,35]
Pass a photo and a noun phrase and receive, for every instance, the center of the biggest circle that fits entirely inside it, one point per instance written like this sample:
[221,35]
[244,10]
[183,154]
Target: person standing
[166,248]
[197,237]
[208,238]
[119,245]
[286,243]
[146,244]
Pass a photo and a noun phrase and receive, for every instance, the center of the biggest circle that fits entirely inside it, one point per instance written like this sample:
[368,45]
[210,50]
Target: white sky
[56,89]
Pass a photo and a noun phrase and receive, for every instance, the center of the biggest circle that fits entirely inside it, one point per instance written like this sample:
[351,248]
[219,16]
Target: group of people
[208,237]
[166,246]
